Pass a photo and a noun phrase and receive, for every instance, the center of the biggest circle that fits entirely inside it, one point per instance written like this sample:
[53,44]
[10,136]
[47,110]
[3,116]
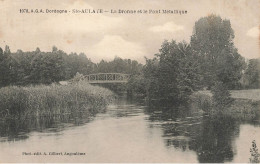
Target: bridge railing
[107,78]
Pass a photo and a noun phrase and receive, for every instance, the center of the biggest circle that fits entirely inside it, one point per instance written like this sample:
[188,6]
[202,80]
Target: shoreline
[241,108]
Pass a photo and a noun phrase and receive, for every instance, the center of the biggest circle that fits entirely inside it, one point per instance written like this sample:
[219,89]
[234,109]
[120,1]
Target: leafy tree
[2,68]
[150,71]
[46,68]
[23,66]
[37,50]
[212,42]
[135,85]
[119,65]
[37,67]
[172,76]
[5,67]
[54,49]
[7,50]
[252,74]
[74,63]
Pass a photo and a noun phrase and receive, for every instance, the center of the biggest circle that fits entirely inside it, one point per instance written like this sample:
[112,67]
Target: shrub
[201,101]
[221,96]
[255,156]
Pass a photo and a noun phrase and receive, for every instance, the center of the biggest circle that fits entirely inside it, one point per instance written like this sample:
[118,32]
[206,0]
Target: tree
[37,50]
[7,50]
[2,68]
[252,74]
[46,68]
[172,76]
[150,72]
[5,67]
[212,42]
[135,85]
[119,65]
[54,49]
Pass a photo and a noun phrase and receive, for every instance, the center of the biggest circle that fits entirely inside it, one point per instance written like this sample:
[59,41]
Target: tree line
[177,70]
[37,67]
[209,61]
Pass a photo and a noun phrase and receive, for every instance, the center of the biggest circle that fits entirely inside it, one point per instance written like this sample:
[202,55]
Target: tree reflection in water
[210,137]
[18,129]
[213,143]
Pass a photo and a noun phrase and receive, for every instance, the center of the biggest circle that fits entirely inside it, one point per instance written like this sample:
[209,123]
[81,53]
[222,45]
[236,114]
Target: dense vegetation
[36,67]
[210,61]
[212,42]
[42,100]
[251,77]
[172,76]
[176,71]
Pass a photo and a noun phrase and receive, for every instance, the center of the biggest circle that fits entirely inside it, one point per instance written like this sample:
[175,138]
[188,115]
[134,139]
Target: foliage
[119,65]
[201,101]
[54,99]
[172,76]
[252,74]
[136,85]
[37,67]
[255,156]
[77,78]
[180,68]
[240,109]
[151,71]
[219,60]
[6,67]
[221,96]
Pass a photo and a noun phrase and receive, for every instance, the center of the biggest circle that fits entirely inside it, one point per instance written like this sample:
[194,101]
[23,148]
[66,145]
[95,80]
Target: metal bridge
[99,78]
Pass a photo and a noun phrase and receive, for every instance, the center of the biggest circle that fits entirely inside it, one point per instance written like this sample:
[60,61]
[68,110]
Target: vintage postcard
[129,81]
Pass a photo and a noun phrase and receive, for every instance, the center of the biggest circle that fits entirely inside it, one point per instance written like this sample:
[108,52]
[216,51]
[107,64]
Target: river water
[128,132]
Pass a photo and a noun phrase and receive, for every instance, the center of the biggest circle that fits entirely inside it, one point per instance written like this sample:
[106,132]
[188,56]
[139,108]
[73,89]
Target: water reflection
[212,138]
[127,132]
[18,129]
[213,141]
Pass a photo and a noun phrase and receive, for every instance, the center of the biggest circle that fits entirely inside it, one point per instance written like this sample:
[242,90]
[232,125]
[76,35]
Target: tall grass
[51,100]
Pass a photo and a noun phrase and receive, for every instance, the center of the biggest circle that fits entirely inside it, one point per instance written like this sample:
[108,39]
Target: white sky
[104,36]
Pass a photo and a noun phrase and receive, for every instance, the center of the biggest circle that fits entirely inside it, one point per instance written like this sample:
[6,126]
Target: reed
[42,100]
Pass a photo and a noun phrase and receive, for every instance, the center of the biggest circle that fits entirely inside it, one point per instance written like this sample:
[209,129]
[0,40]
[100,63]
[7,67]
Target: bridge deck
[99,78]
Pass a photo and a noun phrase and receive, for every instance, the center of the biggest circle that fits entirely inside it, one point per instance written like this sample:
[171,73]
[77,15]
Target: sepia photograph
[129,81]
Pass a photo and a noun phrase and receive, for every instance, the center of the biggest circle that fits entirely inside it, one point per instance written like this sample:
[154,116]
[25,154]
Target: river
[128,132]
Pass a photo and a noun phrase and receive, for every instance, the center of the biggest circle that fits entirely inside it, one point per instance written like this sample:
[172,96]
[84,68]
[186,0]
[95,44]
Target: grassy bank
[17,102]
[250,94]
[242,107]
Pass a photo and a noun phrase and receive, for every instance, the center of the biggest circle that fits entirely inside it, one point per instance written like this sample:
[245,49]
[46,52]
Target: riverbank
[246,104]
[34,101]
[250,94]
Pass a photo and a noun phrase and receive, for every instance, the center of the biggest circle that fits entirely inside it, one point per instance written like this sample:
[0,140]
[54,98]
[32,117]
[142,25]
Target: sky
[134,36]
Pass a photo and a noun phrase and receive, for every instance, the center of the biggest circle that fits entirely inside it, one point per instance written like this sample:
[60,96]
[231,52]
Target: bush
[255,156]
[201,101]
[136,85]
[221,96]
